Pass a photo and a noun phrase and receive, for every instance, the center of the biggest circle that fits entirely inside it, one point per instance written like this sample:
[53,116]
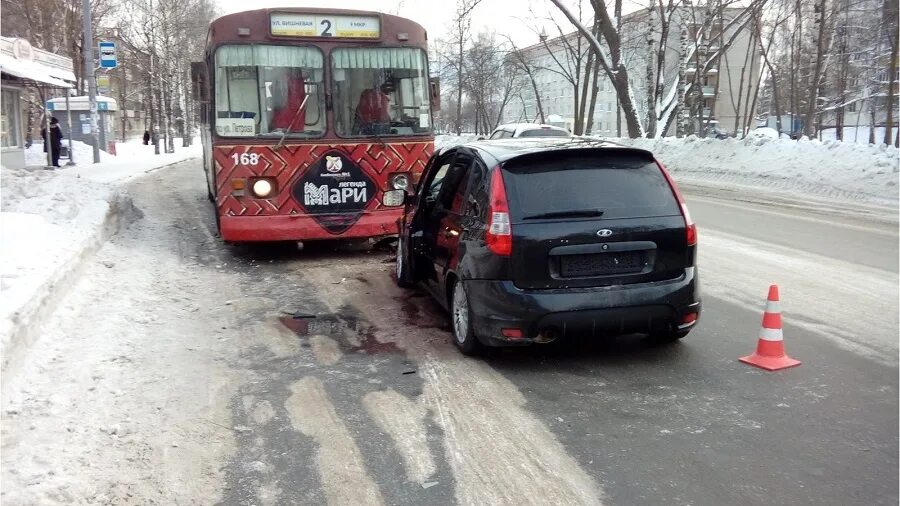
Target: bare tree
[165,36]
[460,36]
[610,59]
[520,59]
[889,32]
[492,80]
[575,61]
[828,63]
[663,93]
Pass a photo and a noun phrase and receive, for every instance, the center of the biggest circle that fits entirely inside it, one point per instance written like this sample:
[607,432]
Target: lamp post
[88,48]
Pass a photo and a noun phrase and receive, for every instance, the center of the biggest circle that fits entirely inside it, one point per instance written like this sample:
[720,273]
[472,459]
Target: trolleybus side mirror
[435,86]
[199,82]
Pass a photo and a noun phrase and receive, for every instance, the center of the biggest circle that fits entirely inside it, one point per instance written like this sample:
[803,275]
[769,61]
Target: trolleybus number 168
[245,159]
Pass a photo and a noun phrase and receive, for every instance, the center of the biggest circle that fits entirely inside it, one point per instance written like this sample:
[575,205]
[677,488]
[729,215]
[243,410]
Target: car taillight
[499,234]
[689,223]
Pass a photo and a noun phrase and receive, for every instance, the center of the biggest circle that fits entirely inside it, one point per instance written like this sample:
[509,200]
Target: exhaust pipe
[547,335]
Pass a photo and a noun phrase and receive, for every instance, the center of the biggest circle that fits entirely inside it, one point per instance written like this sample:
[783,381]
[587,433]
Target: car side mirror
[199,82]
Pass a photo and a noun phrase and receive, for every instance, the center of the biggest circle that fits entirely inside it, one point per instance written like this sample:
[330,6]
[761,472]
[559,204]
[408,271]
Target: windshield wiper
[566,214]
[291,124]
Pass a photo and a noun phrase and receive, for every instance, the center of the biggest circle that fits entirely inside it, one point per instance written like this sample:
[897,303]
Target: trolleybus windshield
[270,91]
[380,91]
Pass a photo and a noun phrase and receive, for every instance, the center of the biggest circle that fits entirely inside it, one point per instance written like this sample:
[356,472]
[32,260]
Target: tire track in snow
[404,420]
[341,471]
[498,451]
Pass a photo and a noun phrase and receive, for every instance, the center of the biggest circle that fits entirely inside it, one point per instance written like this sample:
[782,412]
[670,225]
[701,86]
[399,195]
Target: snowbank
[852,134]
[51,220]
[831,169]
[48,221]
[132,159]
[84,154]
[446,141]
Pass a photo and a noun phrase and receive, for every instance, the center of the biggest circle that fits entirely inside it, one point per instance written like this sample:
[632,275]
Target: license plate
[601,264]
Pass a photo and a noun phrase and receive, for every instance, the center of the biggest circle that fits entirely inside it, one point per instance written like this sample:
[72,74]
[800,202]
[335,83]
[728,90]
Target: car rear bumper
[542,314]
[304,227]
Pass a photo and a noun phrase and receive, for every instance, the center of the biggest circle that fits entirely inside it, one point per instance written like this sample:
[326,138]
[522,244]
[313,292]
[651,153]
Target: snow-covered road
[837,274]
[173,373]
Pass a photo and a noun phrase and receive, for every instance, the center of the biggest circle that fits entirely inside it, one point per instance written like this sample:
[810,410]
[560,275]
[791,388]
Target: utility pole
[154,120]
[69,126]
[154,117]
[88,48]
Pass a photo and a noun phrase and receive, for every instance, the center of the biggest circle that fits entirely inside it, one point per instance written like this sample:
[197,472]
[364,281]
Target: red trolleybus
[310,116]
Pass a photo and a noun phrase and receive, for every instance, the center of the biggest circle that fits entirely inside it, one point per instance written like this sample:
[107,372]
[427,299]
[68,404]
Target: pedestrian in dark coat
[146,137]
[55,140]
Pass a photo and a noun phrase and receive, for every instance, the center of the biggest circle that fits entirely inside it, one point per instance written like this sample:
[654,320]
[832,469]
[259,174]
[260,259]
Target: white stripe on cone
[773,306]
[771,334]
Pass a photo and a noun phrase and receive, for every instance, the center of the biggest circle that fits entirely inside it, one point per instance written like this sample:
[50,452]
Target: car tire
[461,321]
[404,277]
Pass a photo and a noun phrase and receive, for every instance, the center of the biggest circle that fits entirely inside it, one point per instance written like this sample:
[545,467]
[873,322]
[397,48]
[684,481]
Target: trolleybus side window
[380,91]
[265,91]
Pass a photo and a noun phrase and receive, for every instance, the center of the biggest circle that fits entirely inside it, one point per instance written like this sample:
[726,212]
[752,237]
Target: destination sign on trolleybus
[290,24]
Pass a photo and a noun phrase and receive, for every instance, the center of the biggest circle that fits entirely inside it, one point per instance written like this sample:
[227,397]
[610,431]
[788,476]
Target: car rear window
[541,132]
[618,185]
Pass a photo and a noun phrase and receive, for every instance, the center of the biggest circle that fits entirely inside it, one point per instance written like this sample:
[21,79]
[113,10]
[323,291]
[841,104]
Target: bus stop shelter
[77,112]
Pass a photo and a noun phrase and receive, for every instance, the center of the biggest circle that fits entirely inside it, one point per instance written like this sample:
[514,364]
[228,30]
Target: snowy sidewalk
[51,220]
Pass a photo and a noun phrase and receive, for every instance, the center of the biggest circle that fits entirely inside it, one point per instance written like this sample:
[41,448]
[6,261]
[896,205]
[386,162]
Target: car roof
[521,127]
[538,126]
[506,149]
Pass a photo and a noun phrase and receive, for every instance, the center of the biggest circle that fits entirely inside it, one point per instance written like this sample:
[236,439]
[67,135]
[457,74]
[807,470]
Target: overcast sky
[512,17]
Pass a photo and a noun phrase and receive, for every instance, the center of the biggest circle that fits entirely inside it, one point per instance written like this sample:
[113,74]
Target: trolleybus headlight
[263,188]
[400,181]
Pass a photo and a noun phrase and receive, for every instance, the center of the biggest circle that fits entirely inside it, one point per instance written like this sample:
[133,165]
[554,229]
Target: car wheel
[404,277]
[463,335]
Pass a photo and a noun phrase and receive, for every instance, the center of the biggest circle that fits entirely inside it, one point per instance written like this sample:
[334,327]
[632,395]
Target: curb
[154,169]
[26,322]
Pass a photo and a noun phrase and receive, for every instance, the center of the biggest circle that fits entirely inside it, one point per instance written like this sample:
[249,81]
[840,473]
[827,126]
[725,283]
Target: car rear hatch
[593,217]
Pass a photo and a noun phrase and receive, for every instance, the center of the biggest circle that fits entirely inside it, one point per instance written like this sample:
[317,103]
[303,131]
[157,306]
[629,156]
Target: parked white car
[528,130]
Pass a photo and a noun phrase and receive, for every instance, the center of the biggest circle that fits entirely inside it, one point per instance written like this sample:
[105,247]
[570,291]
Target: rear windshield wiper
[574,213]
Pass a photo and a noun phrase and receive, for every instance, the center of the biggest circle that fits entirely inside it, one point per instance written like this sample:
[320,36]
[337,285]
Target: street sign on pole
[103,85]
[108,55]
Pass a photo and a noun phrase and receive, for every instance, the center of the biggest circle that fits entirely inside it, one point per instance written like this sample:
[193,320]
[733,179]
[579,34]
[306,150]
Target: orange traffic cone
[770,353]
